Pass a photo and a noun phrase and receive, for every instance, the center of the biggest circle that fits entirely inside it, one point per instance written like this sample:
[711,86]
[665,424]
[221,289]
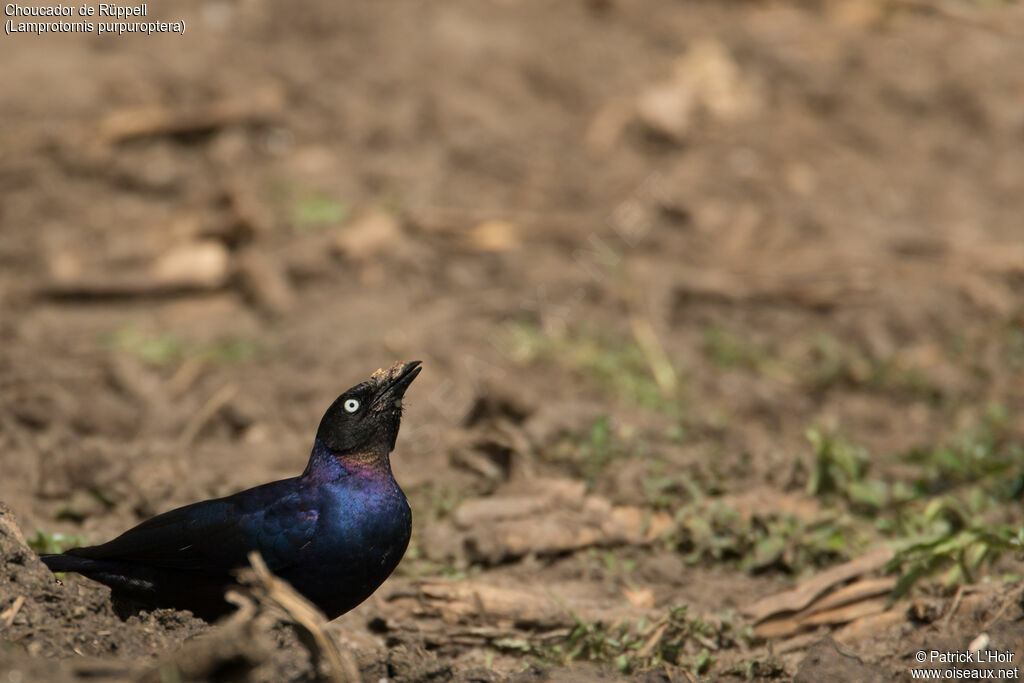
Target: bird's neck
[328,465]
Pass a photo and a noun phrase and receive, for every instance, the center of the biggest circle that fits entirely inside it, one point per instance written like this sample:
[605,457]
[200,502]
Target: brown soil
[701,226]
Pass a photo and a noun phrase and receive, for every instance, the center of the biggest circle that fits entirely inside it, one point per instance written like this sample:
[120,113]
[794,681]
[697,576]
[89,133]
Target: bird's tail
[68,563]
[148,587]
[114,574]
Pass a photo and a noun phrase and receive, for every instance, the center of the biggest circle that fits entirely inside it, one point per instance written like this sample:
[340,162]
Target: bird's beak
[394,383]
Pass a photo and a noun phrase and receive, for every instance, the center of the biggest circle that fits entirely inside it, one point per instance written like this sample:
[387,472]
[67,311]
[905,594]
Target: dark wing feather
[216,536]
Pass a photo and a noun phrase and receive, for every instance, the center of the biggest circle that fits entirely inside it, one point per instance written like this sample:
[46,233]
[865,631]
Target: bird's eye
[351,405]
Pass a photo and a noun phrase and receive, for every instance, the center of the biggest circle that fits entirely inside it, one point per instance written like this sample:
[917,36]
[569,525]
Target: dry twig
[311,622]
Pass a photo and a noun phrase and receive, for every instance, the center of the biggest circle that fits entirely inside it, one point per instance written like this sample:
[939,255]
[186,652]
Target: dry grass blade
[311,621]
[803,595]
[8,615]
[661,367]
[218,400]
[853,593]
[259,106]
[1011,598]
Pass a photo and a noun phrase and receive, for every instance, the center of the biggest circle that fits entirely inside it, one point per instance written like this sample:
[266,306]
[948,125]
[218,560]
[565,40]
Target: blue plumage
[334,533]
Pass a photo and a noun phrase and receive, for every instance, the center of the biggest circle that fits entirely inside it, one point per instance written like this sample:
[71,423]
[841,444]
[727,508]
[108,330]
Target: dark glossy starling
[334,532]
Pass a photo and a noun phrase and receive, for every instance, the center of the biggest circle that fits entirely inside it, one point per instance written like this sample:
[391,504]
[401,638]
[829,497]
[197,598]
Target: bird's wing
[216,536]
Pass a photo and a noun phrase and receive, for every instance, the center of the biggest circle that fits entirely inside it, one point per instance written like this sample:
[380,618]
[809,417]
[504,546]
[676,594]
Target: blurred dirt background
[718,302]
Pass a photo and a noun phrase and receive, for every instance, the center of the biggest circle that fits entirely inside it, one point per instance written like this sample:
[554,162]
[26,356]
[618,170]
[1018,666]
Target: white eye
[351,405]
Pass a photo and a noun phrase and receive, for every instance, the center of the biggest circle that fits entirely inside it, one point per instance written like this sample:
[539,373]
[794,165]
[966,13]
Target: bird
[335,532]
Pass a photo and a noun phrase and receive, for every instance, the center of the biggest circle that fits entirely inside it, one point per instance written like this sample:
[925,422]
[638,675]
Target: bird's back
[186,557]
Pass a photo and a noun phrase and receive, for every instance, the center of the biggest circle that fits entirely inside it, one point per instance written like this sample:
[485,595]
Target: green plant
[793,544]
[956,542]
[758,668]
[948,535]
[46,542]
[315,210]
[415,564]
[728,350]
[227,350]
[981,453]
[675,638]
[617,364]
[165,348]
[666,490]
[156,349]
[836,363]
[714,532]
[593,641]
[1014,349]
[612,564]
[841,469]
[590,453]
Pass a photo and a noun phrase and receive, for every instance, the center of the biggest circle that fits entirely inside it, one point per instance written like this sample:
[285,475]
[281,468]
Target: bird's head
[364,420]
